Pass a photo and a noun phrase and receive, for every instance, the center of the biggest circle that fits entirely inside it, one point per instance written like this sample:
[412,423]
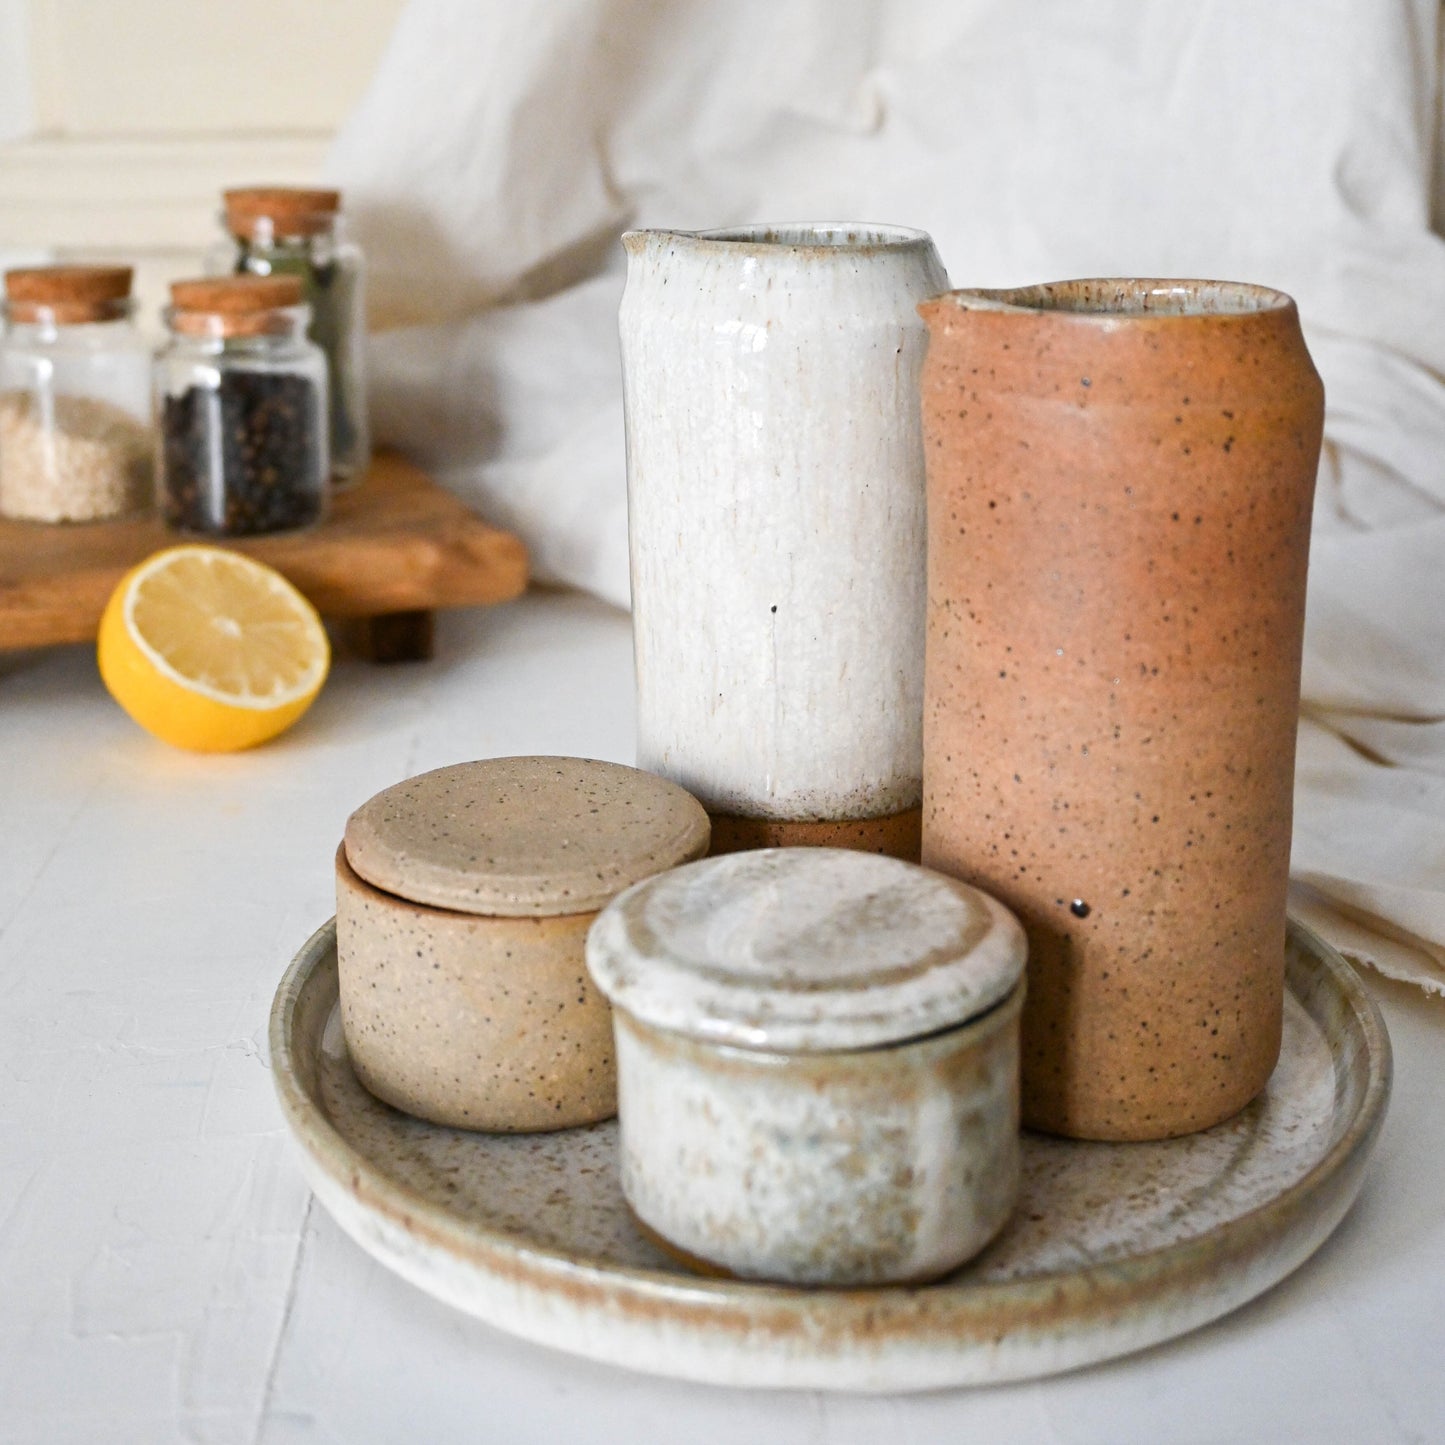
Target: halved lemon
[210,650]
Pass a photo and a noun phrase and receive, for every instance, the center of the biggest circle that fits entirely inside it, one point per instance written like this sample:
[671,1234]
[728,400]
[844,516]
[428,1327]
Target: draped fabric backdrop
[503,146]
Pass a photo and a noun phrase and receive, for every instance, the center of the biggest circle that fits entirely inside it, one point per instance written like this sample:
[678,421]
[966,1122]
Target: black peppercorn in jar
[291,231]
[241,398]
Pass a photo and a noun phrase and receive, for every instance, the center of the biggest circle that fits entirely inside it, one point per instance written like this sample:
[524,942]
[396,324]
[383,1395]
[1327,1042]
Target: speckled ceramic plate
[1113,1247]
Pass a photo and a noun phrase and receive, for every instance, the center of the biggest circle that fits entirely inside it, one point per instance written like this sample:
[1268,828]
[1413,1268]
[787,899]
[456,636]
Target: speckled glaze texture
[1120,482]
[817,1063]
[876,1166]
[776,514]
[462,904]
[525,836]
[480,1023]
[1112,1248]
[810,950]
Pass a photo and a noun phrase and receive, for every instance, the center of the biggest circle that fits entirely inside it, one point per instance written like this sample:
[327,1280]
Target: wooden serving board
[394,548]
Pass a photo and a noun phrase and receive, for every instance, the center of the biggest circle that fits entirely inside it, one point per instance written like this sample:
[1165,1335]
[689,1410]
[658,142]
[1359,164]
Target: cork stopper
[233,305]
[68,294]
[280,210]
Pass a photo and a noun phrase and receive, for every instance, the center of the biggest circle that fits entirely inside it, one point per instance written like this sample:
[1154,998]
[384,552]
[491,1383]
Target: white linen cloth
[502,147]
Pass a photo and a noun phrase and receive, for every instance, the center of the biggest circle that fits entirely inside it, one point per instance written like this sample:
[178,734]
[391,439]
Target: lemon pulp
[211,650]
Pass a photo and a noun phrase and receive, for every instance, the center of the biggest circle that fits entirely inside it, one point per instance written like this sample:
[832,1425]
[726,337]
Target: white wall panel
[120,123]
[191,67]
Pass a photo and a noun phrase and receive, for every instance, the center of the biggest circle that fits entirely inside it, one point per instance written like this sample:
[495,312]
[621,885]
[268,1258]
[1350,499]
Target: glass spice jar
[241,400]
[75,436]
[288,231]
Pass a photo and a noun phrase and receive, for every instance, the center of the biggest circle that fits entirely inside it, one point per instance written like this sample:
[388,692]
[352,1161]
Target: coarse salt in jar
[817,1064]
[241,401]
[76,443]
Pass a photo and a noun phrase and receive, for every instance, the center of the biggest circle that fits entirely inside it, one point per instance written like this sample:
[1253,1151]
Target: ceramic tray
[1112,1248]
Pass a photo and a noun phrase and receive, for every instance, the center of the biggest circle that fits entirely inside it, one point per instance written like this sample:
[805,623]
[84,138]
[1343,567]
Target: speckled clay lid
[805,950]
[523,837]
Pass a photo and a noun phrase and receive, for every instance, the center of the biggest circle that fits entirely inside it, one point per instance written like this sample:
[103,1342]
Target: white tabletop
[164,1273]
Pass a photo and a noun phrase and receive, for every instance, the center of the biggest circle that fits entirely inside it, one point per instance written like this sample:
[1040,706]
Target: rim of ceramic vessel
[933,1045]
[1125,298]
[1112,1283]
[821,238]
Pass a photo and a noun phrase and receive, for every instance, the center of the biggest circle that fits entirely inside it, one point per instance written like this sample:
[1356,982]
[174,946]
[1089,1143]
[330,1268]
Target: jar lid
[67,294]
[231,305]
[523,837]
[286,210]
[805,950]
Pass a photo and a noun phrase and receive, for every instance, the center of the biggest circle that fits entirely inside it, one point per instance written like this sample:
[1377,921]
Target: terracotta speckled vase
[1120,479]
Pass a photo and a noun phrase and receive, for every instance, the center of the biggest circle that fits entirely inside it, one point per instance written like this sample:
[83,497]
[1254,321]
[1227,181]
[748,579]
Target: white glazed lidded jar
[817,1063]
[776,525]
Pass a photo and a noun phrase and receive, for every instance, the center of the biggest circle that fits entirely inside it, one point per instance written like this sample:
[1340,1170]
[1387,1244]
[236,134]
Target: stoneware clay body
[776,523]
[817,1057]
[1120,478]
[463,900]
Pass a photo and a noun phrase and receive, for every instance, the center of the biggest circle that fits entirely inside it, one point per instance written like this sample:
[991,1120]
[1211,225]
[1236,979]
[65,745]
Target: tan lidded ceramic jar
[463,900]
[1120,478]
[817,1055]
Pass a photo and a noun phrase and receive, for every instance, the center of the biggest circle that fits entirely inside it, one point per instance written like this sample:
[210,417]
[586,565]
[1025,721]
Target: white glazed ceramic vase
[776,514]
